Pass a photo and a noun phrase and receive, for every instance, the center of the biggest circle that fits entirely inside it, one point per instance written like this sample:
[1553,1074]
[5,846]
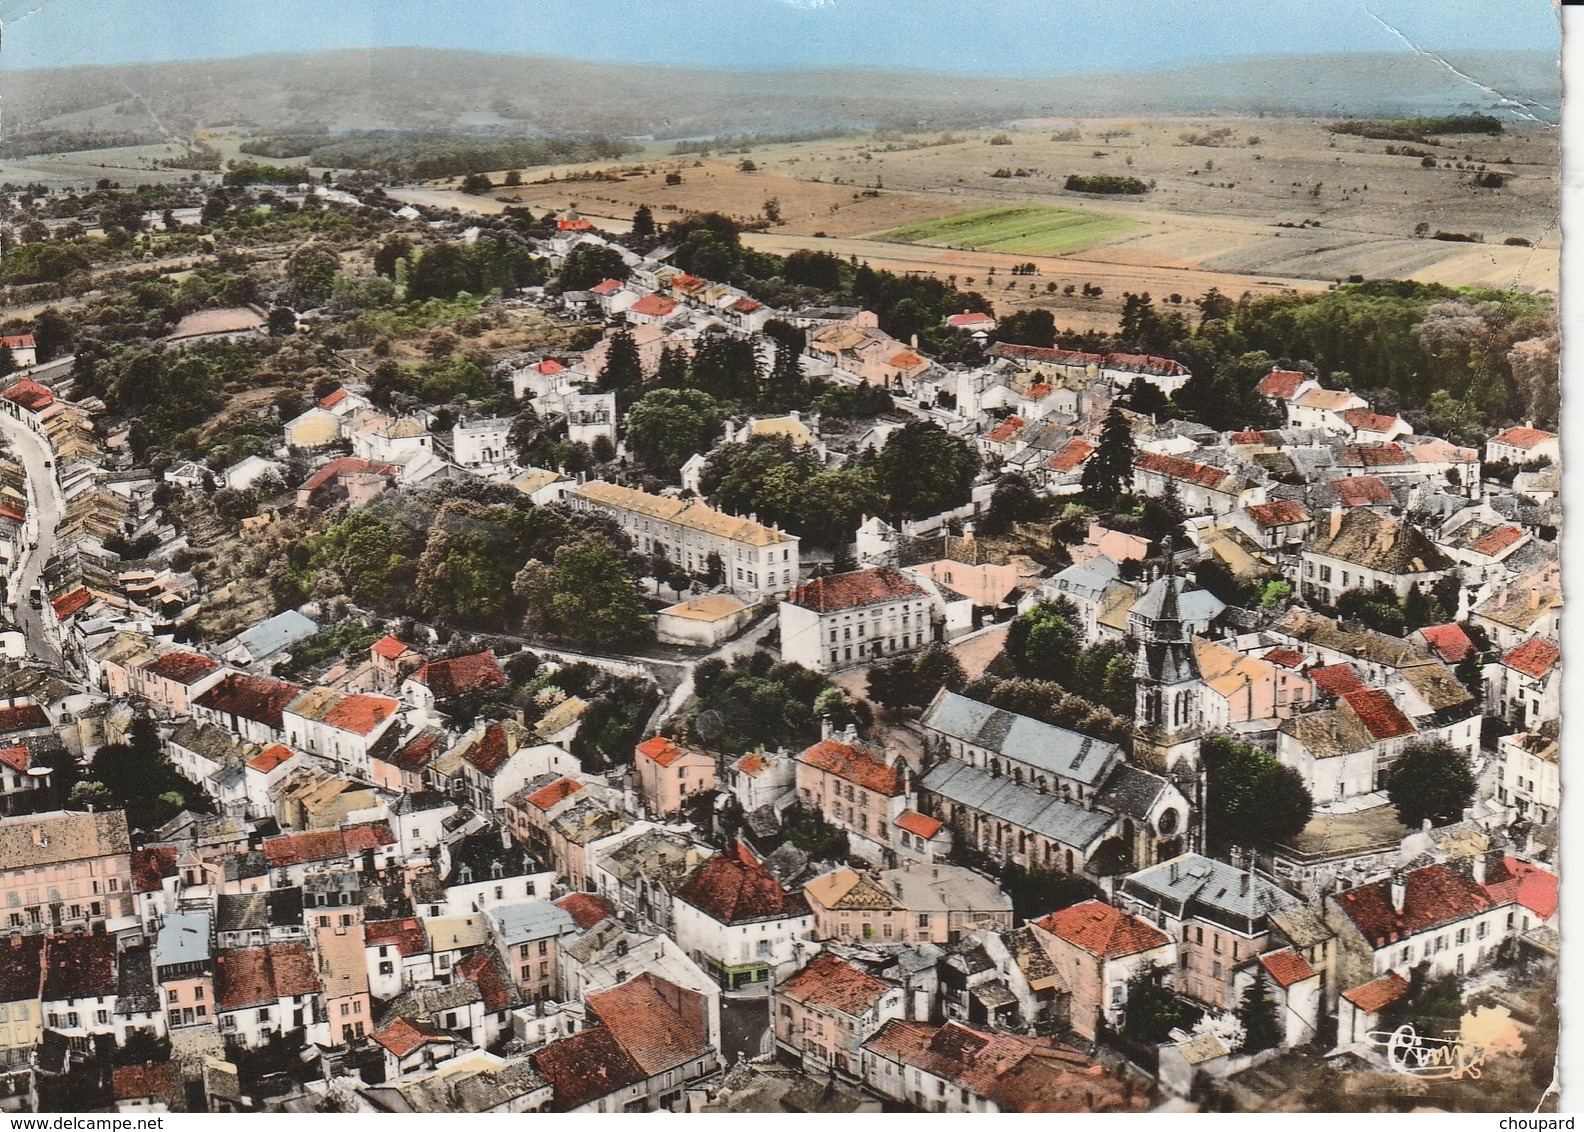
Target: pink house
[170,682]
[668,774]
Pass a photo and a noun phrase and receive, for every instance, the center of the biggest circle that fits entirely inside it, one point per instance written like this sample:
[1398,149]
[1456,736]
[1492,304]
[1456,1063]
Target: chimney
[1399,891]
[1243,885]
[1174,871]
[1481,864]
[1336,519]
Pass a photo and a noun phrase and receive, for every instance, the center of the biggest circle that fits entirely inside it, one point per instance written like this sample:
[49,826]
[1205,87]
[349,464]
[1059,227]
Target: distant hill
[422,88]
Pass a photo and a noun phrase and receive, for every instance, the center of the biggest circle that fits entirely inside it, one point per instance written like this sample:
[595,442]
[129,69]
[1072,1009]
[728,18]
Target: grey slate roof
[1132,791]
[1192,885]
[183,938]
[1043,746]
[277,633]
[535,919]
[1045,814]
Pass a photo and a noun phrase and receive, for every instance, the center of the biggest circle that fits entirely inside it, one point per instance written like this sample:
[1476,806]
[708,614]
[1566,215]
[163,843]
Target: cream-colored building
[757,561]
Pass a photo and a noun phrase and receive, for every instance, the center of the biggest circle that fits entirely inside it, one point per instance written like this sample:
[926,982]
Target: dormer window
[465,873]
[497,870]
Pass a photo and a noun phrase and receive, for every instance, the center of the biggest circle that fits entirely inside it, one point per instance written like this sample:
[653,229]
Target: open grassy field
[1032,229]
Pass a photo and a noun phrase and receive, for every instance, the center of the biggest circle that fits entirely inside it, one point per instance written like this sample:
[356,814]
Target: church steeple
[1167,680]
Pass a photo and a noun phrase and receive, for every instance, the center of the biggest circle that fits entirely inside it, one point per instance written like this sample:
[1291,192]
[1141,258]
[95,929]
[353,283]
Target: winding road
[37,541]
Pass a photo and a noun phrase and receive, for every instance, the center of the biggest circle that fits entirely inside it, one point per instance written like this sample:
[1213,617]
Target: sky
[986,37]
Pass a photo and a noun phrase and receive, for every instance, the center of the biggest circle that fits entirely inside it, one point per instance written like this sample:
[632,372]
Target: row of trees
[920,471]
[475,555]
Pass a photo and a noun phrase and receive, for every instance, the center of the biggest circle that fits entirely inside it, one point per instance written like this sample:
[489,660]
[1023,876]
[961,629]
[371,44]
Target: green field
[1033,229]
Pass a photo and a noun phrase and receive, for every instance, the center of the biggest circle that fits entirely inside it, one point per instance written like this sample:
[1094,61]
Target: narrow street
[37,542]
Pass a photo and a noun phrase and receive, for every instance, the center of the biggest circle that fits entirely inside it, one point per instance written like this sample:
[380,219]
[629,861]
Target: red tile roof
[462,675]
[355,713]
[588,1065]
[1364,420]
[406,935]
[549,367]
[148,1079]
[1070,455]
[1336,679]
[1361,491]
[548,797]
[369,835]
[332,399]
[21,973]
[753,764]
[659,1025]
[834,984]
[1379,715]
[24,718]
[417,753]
[257,698]
[1378,994]
[1435,895]
[181,667]
[853,589]
[1373,456]
[29,394]
[1019,1074]
[345,466]
[606,287]
[1534,657]
[744,306]
[1202,474]
[260,975]
[969,318]
[482,971]
[733,891]
[1102,930]
[1004,431]
[858,765]
[904,359]
[1278,513]
[661,750]
[1281,383]
[150,867]
[326,844]
[16,758]
[1450,641]
[918,825]
[270,758]
[79,966]
[575,225]
[1523,437]
[585,908]
[1287,658]
[1495,541]
[656,306]
[17,342]
[1527,885]
[15,512]
[491,750]
[74,602]
[1287,967]
[401,1037]
[388,647]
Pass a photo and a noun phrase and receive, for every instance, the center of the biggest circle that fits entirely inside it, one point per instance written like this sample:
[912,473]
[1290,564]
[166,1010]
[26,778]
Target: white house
[834,622]
[738,921]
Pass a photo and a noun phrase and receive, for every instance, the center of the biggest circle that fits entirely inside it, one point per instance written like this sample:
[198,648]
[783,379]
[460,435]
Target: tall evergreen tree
[1257,1012]
[673,371]
[623,371]
[786,376]
[643,227]
[1109,471]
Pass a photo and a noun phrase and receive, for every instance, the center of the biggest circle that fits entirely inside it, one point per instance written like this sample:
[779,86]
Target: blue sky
[988,37]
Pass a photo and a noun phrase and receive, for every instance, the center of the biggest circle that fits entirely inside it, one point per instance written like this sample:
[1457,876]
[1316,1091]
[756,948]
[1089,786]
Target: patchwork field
[1023,229]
